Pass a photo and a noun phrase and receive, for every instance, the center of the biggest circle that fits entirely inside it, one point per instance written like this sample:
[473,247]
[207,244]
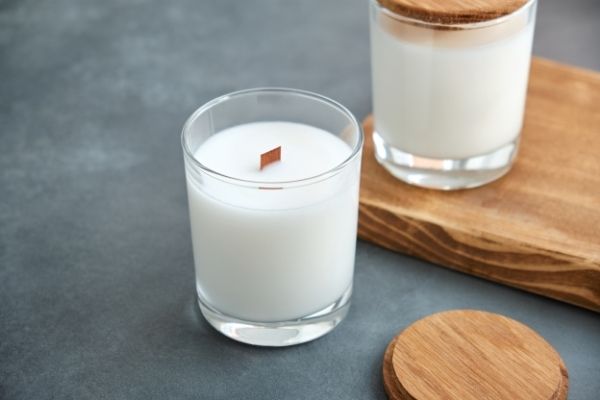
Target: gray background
[96,276]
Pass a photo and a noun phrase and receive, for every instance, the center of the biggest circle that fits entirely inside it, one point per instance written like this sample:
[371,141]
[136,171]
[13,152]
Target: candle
[447,90]
[274,243]
[276,254]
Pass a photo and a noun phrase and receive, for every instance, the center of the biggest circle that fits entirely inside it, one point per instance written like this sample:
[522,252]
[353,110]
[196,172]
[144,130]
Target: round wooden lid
[453,11]
[472,355]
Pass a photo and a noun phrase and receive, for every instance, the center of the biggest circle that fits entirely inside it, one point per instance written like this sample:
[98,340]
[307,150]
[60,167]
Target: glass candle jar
[449,88]
[273,244]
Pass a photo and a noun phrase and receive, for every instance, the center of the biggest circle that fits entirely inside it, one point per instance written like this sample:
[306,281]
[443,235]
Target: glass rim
[461,26]
[356,149]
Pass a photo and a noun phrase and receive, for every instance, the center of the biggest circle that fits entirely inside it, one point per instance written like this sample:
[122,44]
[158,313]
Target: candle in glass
[273,247]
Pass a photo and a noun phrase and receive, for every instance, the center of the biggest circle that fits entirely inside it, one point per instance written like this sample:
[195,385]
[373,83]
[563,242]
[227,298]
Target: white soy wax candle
[273,246]
[449,87]
[274,255]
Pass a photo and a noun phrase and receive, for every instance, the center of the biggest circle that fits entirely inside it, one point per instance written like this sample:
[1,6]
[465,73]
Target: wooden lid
[453,11]
[472,355]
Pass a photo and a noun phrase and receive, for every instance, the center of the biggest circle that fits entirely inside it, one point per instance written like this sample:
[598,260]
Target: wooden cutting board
[537,228]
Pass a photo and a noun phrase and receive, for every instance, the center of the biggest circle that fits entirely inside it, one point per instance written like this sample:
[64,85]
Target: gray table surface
[96,275]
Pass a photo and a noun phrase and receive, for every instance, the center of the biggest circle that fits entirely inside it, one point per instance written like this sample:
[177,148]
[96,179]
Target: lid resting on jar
[453,11]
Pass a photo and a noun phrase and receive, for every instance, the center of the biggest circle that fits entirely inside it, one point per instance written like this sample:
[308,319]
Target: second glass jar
[449,99]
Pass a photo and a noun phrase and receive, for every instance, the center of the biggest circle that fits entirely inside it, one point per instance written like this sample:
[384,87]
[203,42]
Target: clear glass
[448,100]
[274,261]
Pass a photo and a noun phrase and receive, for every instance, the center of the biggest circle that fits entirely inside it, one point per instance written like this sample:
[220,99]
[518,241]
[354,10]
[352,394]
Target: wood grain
[472,355]
[538,228]
[453,11]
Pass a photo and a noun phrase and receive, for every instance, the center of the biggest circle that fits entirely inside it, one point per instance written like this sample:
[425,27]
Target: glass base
[445,174]
[277,334]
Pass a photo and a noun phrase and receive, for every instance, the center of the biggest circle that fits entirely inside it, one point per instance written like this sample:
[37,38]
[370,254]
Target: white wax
[273,255]
[449,101]
[306,151]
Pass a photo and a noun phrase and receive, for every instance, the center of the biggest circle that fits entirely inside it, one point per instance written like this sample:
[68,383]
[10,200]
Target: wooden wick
[270,157]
